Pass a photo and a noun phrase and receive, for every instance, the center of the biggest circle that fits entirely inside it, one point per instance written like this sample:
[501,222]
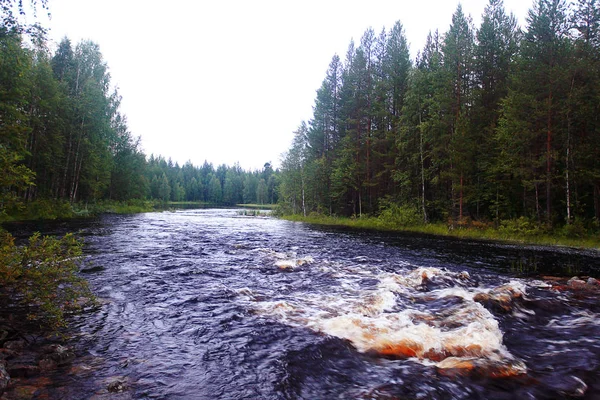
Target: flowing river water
[207,304]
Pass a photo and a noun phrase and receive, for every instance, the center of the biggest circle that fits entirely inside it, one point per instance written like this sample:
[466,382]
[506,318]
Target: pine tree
[532,113]
[457,52]
[495,51]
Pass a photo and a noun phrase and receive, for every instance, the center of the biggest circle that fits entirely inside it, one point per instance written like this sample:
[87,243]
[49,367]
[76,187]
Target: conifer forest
[63,137]
[487,123]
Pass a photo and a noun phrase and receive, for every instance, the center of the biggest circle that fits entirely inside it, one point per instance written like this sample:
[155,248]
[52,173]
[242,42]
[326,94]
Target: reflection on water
[213,304]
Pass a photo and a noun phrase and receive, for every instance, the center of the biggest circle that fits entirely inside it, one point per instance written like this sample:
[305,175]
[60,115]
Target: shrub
[399,215]
[521,227]
[575,229]
[39,282]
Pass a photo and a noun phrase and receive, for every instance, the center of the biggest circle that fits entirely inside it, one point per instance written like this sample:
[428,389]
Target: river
[207,304]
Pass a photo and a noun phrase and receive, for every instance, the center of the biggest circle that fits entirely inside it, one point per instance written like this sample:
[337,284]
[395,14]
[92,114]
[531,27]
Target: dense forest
[63,137]
[487,123]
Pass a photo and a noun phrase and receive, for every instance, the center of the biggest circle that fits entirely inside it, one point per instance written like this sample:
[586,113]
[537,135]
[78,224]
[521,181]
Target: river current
[210,304]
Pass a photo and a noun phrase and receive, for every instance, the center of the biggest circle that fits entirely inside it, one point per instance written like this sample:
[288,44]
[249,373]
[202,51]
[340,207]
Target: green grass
[506,233]
[261,206]
[54,209]
[187,203]
[253,213]
[115,207]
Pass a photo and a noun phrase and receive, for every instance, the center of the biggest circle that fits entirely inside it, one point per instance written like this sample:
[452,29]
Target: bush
[399,215]
[521,227]
[575,229]
[41,209]
[39,284]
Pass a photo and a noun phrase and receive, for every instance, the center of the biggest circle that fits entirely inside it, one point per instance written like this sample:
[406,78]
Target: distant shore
[60,210]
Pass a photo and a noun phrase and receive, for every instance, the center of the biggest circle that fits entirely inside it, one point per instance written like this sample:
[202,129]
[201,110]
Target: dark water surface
[206,304]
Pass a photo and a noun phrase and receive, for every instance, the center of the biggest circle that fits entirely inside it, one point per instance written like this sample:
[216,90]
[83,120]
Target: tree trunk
[63,189]
[359,205]
[568,188]
[77,168]
[597,201]
[537,202]
[303,203]
[460,206]
[425,219]
[497,205]
[567,168]
[548,160]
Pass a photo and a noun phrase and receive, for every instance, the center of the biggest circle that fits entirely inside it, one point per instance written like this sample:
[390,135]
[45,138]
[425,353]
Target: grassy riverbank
[52,209]
[258,206]
[516,231]
[61,210]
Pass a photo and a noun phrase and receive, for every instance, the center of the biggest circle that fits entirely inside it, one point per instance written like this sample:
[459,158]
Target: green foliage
[576,229]
[521,227]
[399,215]
[39,281]
[44,209]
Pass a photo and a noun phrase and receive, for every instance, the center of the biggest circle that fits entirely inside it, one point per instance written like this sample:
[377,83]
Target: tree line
[63,136]
[487,123]
[223,185]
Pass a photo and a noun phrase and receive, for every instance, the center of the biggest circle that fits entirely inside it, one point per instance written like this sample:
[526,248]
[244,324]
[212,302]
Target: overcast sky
[229,81]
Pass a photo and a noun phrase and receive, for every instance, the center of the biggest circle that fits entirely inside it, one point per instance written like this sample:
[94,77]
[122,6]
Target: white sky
[229,81]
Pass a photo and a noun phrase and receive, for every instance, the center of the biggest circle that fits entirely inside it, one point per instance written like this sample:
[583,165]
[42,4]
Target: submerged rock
[402,349]
[59,354]
[458,366]
[576,283]
[500,298]
[117,384]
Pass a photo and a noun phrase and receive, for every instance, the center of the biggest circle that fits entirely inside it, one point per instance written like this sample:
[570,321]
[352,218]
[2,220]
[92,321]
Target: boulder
[499,299]
[58,354]
[117,385]
[593,282]
[576,283]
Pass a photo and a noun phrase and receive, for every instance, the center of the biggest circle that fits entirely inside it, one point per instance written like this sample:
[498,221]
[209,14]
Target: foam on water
[400,317]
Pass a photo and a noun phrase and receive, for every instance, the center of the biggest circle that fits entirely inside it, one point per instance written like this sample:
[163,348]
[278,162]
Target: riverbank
[513,231]
[62,210]
[258,206]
